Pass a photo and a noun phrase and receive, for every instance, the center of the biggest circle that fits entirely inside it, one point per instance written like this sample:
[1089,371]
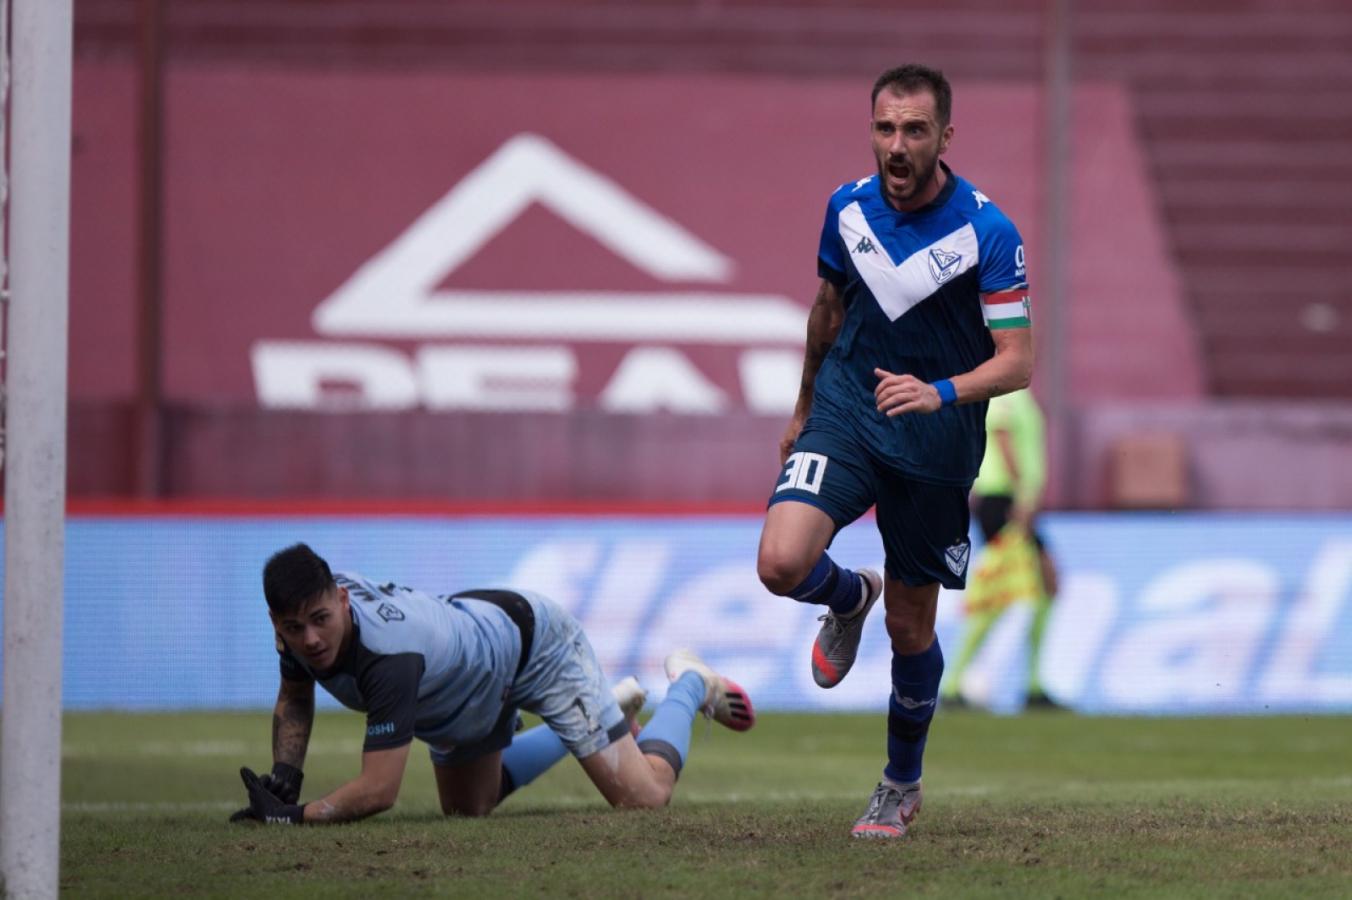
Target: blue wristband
[947,393]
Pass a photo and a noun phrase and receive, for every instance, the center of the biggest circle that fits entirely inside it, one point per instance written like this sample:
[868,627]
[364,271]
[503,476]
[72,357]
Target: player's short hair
[293,577]
[914,77]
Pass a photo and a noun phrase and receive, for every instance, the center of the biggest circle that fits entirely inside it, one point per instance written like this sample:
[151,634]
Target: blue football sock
[830,585]
[667,734]
[915,689]
[530,754]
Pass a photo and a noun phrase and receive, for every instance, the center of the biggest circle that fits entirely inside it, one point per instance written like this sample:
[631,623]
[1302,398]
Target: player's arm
[1010,369]
[1025,504]
[823,324]
[293,717]
[390,685]
[1004,445]
[373,791]
[292,720]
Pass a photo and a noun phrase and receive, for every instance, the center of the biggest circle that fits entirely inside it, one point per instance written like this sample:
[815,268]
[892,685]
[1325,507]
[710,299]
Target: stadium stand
[1241,115]
[1245,111]
[1246,114]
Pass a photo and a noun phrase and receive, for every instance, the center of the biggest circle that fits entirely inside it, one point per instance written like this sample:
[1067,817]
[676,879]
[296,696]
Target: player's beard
[920,179]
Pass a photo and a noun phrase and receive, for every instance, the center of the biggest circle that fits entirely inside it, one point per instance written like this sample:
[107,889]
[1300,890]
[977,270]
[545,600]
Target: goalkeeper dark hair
[293,577]
[913,77]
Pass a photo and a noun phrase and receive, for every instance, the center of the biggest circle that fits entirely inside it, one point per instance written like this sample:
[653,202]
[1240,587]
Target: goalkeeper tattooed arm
[292,719]
[390,686]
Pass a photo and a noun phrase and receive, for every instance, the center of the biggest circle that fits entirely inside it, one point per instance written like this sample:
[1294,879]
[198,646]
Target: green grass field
[1042,805]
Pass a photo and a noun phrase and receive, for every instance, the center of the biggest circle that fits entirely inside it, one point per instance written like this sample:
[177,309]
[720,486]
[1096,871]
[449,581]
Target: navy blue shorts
[924,526]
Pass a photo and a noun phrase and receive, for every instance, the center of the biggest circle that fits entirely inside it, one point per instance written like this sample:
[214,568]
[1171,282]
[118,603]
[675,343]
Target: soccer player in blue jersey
[453,670]
[921,316]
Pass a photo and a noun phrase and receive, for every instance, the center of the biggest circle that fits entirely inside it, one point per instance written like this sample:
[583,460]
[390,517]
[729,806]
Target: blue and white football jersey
[912,285]
[433,667]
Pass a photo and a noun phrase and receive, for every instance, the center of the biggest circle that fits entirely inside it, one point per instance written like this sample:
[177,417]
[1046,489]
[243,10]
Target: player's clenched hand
[264,806]
[900,394]
[283,782]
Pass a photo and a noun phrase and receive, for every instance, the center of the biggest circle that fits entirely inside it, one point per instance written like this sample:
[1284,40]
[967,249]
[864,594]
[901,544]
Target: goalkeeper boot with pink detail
[724,700]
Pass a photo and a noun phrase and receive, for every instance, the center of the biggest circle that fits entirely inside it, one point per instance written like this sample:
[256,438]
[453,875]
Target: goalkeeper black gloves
[272,798]
[284,782]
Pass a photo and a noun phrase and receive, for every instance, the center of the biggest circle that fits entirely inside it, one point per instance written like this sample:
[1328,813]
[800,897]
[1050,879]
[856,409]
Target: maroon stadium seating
[1245,108]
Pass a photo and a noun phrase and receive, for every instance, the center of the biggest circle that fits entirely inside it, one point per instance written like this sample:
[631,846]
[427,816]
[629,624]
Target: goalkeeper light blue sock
[830,585]
[667,734]
[531,753]
[915,691]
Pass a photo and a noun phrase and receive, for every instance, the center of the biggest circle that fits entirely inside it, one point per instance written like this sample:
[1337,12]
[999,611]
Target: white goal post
[4,211]
[35,460]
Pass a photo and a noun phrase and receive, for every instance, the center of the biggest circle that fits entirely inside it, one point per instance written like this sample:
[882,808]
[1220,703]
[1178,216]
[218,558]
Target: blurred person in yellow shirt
[1015,564]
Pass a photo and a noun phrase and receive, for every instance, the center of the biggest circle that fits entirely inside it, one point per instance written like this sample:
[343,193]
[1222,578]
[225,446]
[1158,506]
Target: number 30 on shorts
[803,471]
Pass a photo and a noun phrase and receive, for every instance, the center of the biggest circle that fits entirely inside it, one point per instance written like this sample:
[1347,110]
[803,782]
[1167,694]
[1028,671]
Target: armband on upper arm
[1007,309]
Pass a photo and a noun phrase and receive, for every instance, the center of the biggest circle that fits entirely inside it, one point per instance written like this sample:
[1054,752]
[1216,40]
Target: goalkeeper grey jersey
[433,667]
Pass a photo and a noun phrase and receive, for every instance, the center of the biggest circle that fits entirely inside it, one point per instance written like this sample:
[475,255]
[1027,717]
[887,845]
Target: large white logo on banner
[394,295]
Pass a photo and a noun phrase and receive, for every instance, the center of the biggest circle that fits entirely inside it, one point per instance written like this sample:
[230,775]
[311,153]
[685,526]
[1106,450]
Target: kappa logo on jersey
[865,246]
[980,198]
[390,613]
[956,556]
[943,264]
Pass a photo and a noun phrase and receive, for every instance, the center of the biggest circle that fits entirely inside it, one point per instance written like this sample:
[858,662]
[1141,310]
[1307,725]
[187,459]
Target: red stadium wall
[474,362]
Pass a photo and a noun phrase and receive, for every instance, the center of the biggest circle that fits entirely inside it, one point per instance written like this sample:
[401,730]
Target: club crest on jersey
[390,612]
[957,555]
[943,264]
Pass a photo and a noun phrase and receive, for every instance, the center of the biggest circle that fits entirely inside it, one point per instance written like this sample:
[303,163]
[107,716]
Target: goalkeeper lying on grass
[453,670]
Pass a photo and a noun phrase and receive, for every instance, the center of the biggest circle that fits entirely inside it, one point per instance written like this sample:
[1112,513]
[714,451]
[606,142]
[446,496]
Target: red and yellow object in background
[1006,572]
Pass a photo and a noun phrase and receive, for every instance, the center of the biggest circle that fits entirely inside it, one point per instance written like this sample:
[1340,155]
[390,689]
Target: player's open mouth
[899,170]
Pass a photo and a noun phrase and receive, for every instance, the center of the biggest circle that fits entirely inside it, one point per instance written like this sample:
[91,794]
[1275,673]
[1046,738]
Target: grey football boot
[890,812]
[837,643]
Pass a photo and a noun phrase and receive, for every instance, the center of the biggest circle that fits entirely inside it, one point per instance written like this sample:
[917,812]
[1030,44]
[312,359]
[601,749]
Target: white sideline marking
[238,748]
[119,807]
